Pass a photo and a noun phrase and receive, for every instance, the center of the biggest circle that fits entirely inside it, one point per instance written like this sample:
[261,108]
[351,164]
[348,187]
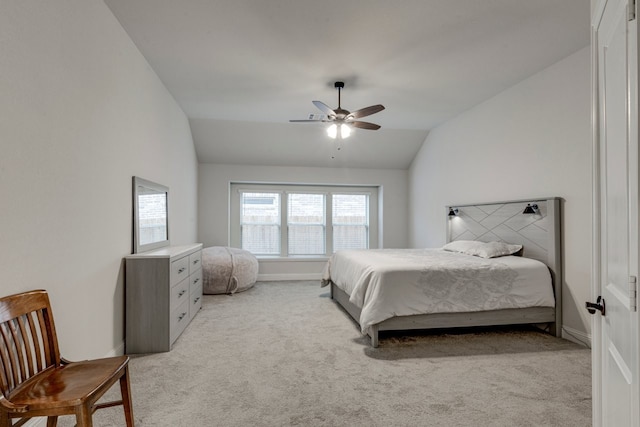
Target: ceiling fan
[343,118]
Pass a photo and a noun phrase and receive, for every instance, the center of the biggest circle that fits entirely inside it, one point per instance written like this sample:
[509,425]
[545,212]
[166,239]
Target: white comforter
[386,283]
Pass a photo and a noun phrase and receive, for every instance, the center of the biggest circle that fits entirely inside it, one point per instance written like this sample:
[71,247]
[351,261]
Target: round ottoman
[228,270]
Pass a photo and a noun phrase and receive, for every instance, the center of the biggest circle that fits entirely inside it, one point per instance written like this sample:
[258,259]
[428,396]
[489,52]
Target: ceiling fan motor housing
[341,113]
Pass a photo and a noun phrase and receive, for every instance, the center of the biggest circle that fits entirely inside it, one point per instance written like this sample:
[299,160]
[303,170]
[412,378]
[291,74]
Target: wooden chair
[34,379]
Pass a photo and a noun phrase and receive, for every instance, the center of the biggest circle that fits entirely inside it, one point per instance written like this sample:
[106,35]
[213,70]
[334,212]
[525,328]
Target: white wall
[213,205]
[532,140]
[81,112]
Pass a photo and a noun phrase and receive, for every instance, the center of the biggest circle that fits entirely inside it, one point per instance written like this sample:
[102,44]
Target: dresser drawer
[179,270]
[195,261]
[195,280]
[196,301]
[179,319]
[179,293]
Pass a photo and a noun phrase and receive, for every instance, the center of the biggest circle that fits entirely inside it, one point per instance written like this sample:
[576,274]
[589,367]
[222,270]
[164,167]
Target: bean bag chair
[228,270]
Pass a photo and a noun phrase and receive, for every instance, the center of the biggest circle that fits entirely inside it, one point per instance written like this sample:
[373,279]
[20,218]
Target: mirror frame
[137,247]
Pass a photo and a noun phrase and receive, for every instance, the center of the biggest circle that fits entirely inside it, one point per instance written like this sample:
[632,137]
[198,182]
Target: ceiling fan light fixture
[332,131]
[345,130]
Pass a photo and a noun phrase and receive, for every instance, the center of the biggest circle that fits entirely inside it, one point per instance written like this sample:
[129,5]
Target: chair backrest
[28,341]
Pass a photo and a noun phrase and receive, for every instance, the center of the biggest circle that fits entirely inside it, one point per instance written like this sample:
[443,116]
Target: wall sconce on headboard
[453,212]
[531,208]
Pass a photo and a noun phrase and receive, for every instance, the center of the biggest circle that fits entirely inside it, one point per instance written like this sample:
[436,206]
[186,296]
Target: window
[260,223]
[350,221]
[306,224]
[302,221]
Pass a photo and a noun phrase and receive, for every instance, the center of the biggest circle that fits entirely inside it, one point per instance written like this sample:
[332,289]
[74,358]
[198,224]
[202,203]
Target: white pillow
[482,249]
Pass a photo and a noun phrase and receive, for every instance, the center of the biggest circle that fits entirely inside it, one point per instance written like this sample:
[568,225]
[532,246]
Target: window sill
[293,259]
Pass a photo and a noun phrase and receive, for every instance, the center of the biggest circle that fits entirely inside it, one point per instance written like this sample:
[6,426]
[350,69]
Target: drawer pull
[196,280]
[181,270]
[181,293]
[181,316]
[195,261]
[196,300]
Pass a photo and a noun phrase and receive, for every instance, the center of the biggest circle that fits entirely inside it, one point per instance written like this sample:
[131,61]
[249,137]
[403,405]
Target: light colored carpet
[285,354]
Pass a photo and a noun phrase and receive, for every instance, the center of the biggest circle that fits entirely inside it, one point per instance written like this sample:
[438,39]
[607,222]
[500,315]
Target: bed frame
[540,235]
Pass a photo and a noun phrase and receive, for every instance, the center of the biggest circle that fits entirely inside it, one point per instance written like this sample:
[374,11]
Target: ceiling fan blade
[308,121]
[324,108]
[364,125]
[367,111]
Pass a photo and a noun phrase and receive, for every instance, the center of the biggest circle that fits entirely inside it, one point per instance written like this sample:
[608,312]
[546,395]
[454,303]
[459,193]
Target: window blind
[350,218]
[260,222]
[306,224]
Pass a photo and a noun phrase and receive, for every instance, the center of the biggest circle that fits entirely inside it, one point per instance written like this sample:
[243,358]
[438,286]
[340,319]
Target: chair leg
[52,421]
[83,416]
[125,390]
[5,420]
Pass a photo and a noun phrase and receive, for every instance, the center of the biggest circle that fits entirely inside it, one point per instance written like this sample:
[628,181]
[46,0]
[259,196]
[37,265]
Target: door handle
[598,305]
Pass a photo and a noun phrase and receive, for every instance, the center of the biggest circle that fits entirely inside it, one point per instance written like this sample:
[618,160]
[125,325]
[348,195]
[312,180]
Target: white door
[616,169]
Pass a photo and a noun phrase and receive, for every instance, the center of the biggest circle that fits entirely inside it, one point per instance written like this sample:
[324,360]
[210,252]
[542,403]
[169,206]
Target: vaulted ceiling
[241,69]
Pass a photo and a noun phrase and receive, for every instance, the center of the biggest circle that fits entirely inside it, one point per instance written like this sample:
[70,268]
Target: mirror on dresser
[150,215]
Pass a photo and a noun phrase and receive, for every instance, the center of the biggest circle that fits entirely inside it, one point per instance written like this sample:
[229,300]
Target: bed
[518,281]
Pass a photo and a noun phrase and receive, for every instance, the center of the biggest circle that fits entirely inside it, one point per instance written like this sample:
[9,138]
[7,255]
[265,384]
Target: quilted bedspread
[385,283]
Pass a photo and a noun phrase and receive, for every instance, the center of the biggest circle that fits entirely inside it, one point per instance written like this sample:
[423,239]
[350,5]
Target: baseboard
[118,351]
[576,336]
[284,277]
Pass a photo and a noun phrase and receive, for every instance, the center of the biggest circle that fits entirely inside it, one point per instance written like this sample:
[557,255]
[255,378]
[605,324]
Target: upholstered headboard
[539,233]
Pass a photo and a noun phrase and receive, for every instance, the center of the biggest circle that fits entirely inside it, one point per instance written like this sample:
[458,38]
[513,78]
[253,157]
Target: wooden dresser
[163,294]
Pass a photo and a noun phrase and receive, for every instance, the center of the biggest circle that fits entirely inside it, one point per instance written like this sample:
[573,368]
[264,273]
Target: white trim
[576,336]
[297,258]
[596,331]
[306,192]
[328,243]
[117,351]
[372,191]
[241,190]
[285,277]
[634,192]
